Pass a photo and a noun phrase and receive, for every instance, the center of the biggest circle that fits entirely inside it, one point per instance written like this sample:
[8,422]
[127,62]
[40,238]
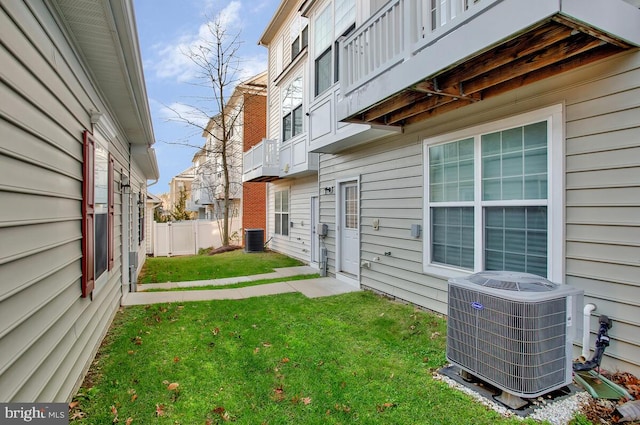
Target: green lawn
[285,359]
[200,267]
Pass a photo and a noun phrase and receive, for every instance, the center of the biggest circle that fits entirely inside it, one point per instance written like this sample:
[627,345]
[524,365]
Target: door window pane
[351,207]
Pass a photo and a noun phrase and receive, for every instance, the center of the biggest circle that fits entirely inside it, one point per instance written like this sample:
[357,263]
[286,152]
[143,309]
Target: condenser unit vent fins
[512,331]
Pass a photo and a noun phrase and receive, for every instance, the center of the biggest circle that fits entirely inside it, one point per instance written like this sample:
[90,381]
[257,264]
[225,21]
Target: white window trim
[103,133]
[281,108]
[555,192]
[275,213]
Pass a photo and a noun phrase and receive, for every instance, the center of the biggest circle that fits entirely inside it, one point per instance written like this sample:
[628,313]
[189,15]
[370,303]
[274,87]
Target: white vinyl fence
[187,237]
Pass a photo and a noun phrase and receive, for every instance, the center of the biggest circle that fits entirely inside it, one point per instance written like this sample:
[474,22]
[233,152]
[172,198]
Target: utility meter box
[322,229]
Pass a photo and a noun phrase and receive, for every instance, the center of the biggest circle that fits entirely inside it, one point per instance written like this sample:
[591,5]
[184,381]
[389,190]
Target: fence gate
[175,239]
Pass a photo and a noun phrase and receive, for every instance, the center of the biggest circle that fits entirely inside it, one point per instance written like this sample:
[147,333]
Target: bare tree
[217,59]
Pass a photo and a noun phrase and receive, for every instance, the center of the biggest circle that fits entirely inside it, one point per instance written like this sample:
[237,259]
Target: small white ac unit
[513,331]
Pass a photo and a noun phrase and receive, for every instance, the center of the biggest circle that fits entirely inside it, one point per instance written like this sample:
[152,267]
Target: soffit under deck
[553,47]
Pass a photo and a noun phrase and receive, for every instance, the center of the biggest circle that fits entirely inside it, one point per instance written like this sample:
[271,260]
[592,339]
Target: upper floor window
[292,109]
[326,34]
[299,35]
[323,39]
[493,197]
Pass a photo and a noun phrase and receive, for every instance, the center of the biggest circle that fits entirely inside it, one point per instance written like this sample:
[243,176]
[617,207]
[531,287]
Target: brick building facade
[255,129]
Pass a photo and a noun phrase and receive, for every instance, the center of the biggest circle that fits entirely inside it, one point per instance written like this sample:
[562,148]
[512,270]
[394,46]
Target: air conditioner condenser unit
[513,330]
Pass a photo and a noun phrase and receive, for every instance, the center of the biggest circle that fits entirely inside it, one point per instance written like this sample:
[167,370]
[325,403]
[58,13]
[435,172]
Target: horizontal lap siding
[602,198]
[603,202]
[391,192]
[298,243]
[48,334]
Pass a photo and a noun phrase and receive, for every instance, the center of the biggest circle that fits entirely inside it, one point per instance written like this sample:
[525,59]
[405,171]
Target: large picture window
[491,203]
[282,213]
[292,110]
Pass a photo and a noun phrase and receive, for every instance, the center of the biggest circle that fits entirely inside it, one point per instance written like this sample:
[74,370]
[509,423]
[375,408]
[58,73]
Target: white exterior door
[349,228]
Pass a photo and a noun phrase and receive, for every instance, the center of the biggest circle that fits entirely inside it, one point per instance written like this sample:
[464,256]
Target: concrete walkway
[312,288]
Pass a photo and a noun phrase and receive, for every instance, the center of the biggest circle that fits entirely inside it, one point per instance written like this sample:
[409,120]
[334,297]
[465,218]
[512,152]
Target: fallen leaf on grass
[285,360]
[114,412]
[256,350]
[278,394]
[134,397]
[159,409]
[129,421]
[173,386]
[266,344]
[342,408]
[306,400]
[73,404]
[77,415]
[385,406]
[216,331]
[176,359]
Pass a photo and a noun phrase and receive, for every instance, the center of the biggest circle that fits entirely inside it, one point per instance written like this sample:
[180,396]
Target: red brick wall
[254,204]
[255,120]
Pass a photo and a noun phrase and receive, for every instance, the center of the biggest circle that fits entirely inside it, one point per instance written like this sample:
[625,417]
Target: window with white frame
[299,31]
[326,34]
[282,212]
[292,109]
[493,197]
[323,39]
[98,212]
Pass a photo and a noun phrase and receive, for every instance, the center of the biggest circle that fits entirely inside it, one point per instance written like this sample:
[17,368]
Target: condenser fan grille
[516,345]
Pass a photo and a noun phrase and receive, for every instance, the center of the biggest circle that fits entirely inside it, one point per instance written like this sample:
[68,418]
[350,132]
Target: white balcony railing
[261,160]
[398,31]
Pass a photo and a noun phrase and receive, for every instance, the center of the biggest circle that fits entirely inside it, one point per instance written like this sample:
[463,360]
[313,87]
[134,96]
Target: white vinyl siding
[297,244]
[48,333]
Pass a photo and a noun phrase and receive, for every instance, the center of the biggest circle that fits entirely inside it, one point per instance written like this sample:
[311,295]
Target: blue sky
[166,29]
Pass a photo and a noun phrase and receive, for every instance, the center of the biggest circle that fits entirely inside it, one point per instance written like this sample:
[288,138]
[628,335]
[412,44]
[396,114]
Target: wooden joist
[556,46]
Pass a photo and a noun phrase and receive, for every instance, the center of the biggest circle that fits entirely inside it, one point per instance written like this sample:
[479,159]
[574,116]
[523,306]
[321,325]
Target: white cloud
[182,113]
[230,15]
[173,58]
[252,66]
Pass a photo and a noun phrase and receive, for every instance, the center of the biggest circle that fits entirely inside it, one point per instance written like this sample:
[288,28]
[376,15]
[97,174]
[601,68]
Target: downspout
[586,331]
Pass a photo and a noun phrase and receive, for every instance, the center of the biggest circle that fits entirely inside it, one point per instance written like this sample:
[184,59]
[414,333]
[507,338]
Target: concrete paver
[312,288]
